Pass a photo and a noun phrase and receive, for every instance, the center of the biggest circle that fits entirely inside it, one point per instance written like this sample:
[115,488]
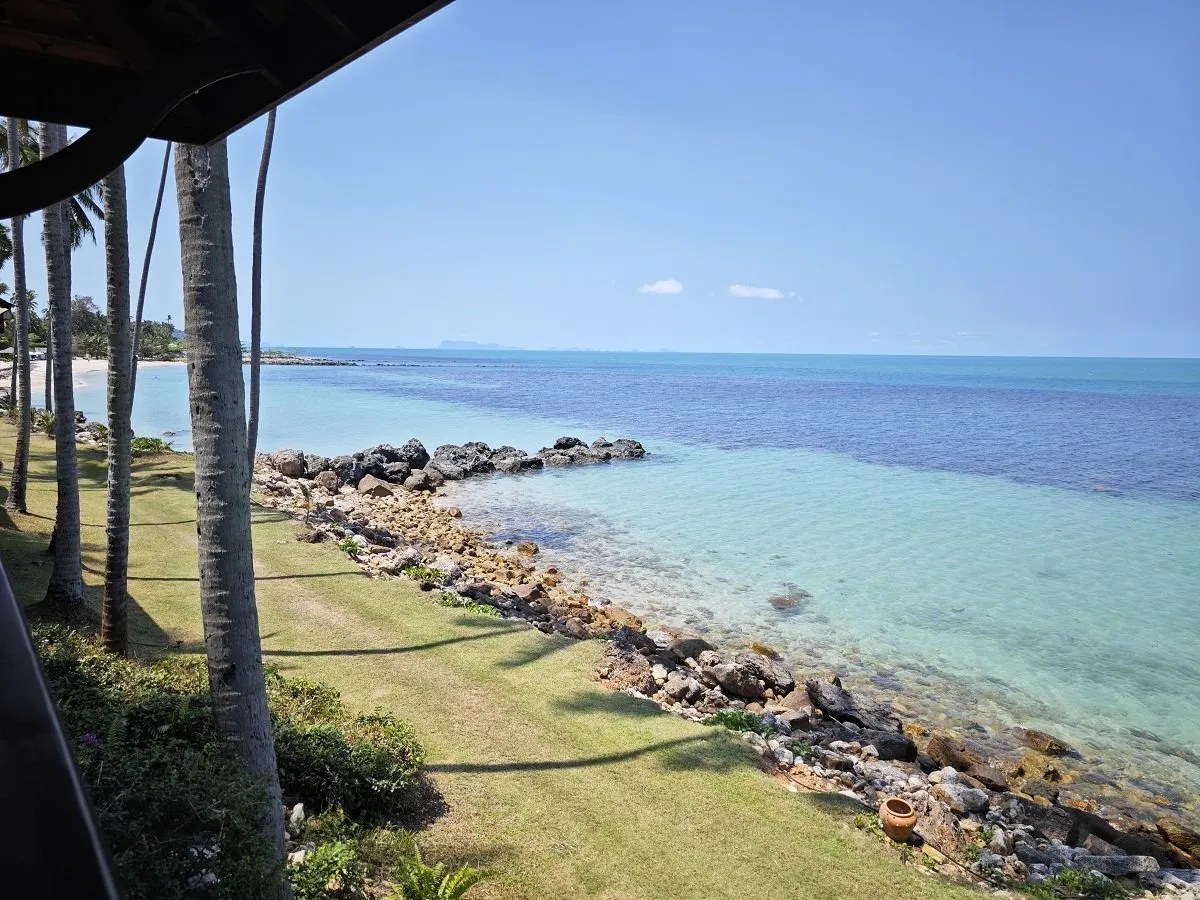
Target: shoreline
[394,530]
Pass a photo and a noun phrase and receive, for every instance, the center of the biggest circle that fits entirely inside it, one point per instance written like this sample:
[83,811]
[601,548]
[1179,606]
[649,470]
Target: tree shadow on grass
[487,631]
[838,806]
[608,703]
[549,765]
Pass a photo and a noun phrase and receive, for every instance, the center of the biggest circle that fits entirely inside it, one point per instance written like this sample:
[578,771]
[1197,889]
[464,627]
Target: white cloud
[662,286]
[755,293]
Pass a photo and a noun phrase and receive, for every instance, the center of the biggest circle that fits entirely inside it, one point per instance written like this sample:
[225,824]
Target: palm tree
[256,289]
[65,589]
[114,629]
[217,400]
[141,301]
[19,402]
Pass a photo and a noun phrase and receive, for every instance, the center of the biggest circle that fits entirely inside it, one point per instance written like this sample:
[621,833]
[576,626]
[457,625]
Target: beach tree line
[223,439]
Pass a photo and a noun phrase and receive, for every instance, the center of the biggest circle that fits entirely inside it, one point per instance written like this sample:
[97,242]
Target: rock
[756,740]
[327,480]
[1116,866]
[374,487]
[453,512]
[289,463]
[960,799]
[1042,742]
[989,776]
[557,459]
[529,548]
[784,756]
[566,443]
[296,819]
[682,648]
[774,675]
[946,751]
[314,464]
[396,472]
[633,639]
[528,592]
[574,627]
[843,706]
[460,461]
[627,448]
[1180,836]
[683,687]
[796,719]
[1053,823]
[348,469]
[413,453]
[418,481]
[889,744]
[939,826]
[626,669]
[737,680]
[662,639]
[1001,842]
[436,478]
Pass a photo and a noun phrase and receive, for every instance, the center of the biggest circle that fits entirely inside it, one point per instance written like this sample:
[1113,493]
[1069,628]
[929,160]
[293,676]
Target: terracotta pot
[898,819]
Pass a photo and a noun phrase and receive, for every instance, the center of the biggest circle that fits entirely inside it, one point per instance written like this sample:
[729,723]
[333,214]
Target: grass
[559,787]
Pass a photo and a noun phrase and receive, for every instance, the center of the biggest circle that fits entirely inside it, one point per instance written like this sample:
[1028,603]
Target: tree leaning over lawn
[217,399]
[141,301]
[20,398]
[256,288]
[114,629]
[65,589]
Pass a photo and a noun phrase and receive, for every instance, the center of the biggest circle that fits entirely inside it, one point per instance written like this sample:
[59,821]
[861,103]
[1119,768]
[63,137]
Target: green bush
[43,420]
[417,880]
[180,818]
[740,720]
[424,573]
[331,871]
[457,601]
[150,446]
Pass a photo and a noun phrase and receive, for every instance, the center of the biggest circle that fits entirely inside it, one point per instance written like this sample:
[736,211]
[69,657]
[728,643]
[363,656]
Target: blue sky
[925,177]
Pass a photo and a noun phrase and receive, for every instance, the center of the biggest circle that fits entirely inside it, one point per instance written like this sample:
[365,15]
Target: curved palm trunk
[141,301]
[66,577]
[114,627]
[256,289]
[217,399]
[20,398]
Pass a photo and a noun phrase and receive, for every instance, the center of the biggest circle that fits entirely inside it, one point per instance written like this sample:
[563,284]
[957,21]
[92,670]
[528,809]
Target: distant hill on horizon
[473,345]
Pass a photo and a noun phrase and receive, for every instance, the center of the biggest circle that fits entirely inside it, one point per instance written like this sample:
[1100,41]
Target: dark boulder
[289,463]
[434,477]
[946,751]
[414,453]
[566,443]
[348,469]
[889,744]
[396,472]
[774,675]
[841,705]
[314,463]
[627,448]
[473,458]
[682,648]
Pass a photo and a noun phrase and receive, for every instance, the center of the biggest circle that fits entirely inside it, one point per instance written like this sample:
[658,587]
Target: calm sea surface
[1009,540]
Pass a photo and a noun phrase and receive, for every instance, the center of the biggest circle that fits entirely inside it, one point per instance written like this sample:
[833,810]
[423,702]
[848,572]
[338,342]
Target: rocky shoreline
[1002,820]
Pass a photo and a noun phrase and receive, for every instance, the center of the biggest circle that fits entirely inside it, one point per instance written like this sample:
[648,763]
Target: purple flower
[90,740]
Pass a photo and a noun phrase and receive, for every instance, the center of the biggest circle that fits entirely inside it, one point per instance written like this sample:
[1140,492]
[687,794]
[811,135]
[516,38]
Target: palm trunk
[217,400]
[114,629]
[49,360]
[12,375]
[141,301]
[256,289]
[21,398]
[65,589]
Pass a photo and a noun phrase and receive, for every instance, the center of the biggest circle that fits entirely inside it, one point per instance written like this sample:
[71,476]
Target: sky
[1015,178]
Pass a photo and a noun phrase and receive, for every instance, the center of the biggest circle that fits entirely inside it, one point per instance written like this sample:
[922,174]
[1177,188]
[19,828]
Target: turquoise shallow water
[1002,541]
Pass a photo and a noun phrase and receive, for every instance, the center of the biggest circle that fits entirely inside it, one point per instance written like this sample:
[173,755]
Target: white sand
[80,366]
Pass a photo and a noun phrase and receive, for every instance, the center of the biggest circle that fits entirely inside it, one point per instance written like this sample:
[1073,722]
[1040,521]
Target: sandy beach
[80,366]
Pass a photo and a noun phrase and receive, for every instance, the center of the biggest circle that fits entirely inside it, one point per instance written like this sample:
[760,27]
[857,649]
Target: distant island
[472,345]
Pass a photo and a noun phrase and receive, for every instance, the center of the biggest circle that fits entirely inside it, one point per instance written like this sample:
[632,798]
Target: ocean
[995,541]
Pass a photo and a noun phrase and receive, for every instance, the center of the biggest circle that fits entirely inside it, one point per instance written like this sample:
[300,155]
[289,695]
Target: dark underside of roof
[222,62]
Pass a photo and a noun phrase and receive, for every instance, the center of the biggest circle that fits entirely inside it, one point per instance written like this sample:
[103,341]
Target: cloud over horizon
[662,286]
[755,293]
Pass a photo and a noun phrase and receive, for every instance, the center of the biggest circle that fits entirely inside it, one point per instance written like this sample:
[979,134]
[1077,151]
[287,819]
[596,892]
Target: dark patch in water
[550,538]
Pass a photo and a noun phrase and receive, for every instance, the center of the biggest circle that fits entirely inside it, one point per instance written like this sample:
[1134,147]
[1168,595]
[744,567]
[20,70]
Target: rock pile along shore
[1002,822]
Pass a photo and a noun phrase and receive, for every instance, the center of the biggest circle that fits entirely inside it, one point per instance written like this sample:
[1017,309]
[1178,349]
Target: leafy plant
[423,573]
[331,872]
[349,546]
[43,420]
[985,834]
[739,720]
[457,601]
[417,880]
[150,446]
[1076,885]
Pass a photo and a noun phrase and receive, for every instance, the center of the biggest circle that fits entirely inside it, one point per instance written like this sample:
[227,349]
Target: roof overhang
[190,71]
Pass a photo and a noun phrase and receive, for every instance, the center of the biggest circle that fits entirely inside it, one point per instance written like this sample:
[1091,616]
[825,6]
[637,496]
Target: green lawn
[563,788]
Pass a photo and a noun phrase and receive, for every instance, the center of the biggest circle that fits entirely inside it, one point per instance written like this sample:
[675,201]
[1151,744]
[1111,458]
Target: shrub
[740,720]
[331,871]
[180,818]
[417,880]
[150,446]
[423,573]
[43,420]
[457,601]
